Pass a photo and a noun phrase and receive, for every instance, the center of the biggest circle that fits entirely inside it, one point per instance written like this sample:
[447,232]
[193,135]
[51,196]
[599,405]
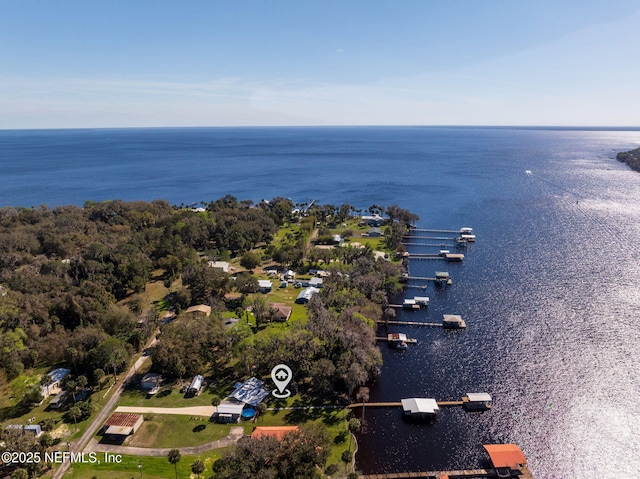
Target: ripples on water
[549,292]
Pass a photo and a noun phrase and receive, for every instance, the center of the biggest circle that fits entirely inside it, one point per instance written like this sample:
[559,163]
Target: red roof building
[277,432]
[505,455]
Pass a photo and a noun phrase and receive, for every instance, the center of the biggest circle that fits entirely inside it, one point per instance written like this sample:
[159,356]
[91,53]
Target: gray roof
[250,392]
[420,405]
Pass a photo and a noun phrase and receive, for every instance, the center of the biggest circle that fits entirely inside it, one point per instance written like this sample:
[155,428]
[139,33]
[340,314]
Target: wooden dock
[430,230]
[521,472]
[408,340]
[399,404]
[433,474]
[408,323]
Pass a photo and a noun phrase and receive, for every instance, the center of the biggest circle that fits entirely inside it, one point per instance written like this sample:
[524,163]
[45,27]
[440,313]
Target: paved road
[80,444]
[206,411]
[234,435]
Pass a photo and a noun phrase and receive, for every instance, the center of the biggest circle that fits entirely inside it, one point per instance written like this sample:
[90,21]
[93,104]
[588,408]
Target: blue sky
[232,62]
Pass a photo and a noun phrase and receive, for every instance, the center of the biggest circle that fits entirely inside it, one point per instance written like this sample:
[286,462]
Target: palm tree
[197,467]
[174,458]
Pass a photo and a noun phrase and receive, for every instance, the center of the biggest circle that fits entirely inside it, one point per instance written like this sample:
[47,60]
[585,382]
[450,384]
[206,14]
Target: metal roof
[479,397]
[420,405]
[505,455]
[250,392]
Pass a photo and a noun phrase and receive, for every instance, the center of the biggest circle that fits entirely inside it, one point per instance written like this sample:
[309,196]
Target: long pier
[430,230]
[399,404]
[520,472]
[408,323]
[433,474]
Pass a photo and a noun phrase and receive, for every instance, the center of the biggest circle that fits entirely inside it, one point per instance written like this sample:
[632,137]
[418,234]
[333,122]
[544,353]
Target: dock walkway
[433,474]
[399,404]
[430,230]
[408,323]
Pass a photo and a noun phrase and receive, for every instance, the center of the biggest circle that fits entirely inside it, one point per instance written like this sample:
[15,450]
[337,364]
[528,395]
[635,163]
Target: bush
[331,469]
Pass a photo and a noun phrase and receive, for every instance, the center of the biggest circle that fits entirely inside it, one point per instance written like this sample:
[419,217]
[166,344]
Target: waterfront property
[453,321]
[477,401]
[420,408]
[242,402]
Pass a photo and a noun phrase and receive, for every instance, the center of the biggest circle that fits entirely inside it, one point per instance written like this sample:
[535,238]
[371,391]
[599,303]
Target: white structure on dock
[410,304]
[425,408]
[477,401]
[422,301]
[453,321]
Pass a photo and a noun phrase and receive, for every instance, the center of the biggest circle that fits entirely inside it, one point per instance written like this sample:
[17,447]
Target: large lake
[549,291]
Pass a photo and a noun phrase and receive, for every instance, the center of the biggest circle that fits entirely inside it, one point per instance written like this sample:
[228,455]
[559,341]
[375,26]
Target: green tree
[347,457]
[197,467]
[174,457]
[250,260]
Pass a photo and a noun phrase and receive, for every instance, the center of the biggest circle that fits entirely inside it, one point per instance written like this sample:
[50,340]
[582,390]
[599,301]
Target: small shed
[425,408]
[453,321]
[122,424]
[265,285]
[374,232]
[316,282]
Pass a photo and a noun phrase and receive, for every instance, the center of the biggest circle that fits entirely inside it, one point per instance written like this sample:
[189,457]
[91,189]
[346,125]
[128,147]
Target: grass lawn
[152,467]
[166,430]
[13,411]
[168,396]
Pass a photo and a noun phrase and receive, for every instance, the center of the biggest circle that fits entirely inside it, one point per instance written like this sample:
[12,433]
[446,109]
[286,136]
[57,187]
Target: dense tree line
[63,269]
[631,158]
[299,455]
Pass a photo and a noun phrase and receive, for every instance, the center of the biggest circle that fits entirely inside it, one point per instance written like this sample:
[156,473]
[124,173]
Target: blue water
[549,291]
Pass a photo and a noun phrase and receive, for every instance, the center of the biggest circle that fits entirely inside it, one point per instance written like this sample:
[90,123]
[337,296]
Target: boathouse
[476,401]
[505,456]
[410,304]
[421,408]
[453,321]
[421,301]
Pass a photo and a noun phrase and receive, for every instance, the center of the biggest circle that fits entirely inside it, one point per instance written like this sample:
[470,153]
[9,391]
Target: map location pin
[281,375]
